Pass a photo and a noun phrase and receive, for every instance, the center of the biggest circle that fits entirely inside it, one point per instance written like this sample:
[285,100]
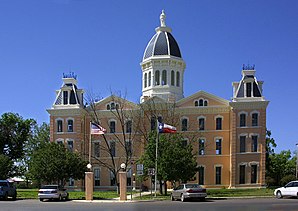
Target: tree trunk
[160,187]
[166,189]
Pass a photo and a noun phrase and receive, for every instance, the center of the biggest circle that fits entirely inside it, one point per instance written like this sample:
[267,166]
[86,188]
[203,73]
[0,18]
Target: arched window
[178,79]
[196,103]
[112,106]
[145,80]
[201,102]
[205,103]
[184,124]
[70,125]
[164,77]
[149,79]
[108,107]
[157,78]
[172,78]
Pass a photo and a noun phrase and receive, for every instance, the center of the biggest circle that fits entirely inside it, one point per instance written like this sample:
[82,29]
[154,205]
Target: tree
[53,163]
[282,165]
[176,161]
[14,131]
[123,112]
[6,167]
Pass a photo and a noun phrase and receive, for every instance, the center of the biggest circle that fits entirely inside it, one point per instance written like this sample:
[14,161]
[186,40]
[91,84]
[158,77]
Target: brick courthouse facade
[230,135]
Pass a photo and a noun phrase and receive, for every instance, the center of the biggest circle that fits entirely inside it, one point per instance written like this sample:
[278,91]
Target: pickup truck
[7,189]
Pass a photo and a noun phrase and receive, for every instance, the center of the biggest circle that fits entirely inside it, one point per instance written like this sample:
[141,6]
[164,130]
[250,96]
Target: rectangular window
[113,148]
[70,125]
[254,172]
[128,126]
[59,126]
[153,123]
[201,147]
[184,125]
[71,182]
[65,97]
[242,174]
[201,124]
[96,148]
[248,89]
[242,120]
[112,179]
[184,143]
[112,126]
[149,79]
[128,147]
[218,147]
[70,145]
[254,119]
[242,143]
[254,143]
[218,175]
[201,175]
[96,177]
[218,123]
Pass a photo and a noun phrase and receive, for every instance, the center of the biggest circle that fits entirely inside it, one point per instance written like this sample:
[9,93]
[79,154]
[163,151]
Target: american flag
[97,129]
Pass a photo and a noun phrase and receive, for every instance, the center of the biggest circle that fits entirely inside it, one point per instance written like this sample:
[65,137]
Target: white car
[52,192]
[290,189]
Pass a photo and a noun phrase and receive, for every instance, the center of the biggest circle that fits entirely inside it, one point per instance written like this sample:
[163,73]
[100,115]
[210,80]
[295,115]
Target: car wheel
[66,197]
[182,198]
[40,199]
[172,197]
[5,196]
[14,197]
[278,195]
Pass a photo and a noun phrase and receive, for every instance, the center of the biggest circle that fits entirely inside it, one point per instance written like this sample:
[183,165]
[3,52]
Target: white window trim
[59,139]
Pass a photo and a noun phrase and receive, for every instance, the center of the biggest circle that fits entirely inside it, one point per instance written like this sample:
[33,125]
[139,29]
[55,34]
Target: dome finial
[162,18]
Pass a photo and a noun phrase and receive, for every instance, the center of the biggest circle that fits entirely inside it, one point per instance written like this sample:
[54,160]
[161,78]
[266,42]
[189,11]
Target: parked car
[290,189]
[52,192]
[188,191]
[7,189]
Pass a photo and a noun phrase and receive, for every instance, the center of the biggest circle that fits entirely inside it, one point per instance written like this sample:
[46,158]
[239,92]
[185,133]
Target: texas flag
[164,128]
[97,129]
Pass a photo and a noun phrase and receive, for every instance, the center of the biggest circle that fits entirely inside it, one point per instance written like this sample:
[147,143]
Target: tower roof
[162,43]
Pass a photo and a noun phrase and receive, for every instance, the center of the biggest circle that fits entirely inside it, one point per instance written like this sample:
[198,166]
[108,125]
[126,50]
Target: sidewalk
[129,199]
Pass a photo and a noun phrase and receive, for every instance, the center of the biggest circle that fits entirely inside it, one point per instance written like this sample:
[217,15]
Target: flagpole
[156,154]
[90,144]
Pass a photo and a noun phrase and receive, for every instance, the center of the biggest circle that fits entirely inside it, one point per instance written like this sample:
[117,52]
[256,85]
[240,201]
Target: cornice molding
[249,105]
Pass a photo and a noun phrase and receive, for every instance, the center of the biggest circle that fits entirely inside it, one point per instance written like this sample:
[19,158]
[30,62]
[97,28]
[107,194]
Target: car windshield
[49,187]
[192,186]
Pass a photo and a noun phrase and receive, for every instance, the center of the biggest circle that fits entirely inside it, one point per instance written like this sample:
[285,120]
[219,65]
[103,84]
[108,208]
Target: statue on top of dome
[162,19]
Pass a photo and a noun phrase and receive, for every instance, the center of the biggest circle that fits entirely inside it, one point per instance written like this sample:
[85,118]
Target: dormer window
[248,89]
[65,97]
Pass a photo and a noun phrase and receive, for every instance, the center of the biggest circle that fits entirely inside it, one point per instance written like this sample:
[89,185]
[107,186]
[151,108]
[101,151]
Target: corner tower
[162,66]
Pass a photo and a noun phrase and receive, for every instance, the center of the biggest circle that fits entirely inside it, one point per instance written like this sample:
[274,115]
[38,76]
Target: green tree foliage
[176,161]
[53,163]
[14,131]
[6,166]
[282,165]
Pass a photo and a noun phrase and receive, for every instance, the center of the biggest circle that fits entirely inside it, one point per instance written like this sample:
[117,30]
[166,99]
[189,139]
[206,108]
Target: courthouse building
[229,134]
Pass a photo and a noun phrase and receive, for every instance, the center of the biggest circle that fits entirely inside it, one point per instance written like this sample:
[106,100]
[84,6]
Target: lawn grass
[32,194]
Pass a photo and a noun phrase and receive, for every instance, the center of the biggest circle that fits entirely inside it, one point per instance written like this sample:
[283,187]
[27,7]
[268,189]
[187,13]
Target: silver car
[290,189]
[52,192]
[188,191]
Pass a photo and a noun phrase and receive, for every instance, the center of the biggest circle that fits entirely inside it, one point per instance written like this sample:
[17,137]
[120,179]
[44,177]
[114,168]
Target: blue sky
[103,43]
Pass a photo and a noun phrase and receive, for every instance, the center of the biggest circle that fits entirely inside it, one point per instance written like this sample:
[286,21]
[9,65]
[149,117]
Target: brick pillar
[89,185]
[123,185]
